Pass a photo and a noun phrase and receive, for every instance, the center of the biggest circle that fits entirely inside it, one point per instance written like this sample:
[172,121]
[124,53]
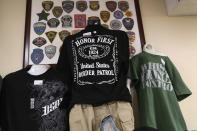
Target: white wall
[174,36]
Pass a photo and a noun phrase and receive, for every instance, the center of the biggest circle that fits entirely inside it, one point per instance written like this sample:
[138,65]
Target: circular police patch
[40,41]
[53,23]
[115,24]
[118,14]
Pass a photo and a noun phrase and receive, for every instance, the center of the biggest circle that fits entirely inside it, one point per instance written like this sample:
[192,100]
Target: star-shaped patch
[43,15]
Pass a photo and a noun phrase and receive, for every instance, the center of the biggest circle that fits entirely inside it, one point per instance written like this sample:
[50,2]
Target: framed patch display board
[48,22]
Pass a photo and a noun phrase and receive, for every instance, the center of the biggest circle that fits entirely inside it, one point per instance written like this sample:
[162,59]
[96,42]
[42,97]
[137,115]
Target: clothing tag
[32,100]
[38,82]
[87,34]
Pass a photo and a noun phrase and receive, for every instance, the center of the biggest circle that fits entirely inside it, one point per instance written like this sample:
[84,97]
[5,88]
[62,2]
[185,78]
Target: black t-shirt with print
[95,63]
[30,103]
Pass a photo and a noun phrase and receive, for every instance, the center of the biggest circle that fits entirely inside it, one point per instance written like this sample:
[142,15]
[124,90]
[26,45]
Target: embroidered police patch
[123,5]
[132,50]
[128,14]
[128,23]
[80,20]
[118,14]
[115,24]
[131,36]
[43,16]
[57,11]
[51,35]
[66,21]
[37,56]
[105,15]
[68,6]
[47,5]
[53,23]
[50,51]
[75,31]
[94,5]
[63,34]
[111,5]
[81,5]
[40,41]
[39,28]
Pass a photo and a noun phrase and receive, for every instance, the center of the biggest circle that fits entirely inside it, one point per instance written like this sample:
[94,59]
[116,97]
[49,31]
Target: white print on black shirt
[44,102]
[95,59]
[154,75]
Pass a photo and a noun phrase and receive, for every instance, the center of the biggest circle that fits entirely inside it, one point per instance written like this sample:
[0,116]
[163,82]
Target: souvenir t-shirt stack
[95,62]
[159,87]
[30,103]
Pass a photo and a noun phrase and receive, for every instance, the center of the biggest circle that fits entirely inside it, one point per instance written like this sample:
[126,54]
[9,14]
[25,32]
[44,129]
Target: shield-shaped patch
[40,41]
[50,51]
[53,23]
[39,27]
[63,34]
[123,5]
[94,5]
[47,5]
[57,11]
[115,24]
[66,21]
[51,35]
[37,56]
[80,20]
[105,15]
[68,6]
[81,5]
[132,50]
[128,23]
[111,5]
[131,36]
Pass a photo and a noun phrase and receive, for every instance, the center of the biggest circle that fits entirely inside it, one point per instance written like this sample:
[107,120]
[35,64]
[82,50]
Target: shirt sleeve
[63,67]
[180,88]
[134,71]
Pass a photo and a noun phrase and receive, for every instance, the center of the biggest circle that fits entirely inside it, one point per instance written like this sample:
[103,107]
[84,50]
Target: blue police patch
[39,27]
[128,23]
[37,56]
[118,14]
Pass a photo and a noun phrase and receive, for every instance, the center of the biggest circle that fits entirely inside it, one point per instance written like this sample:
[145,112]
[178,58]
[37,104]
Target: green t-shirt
[159,87]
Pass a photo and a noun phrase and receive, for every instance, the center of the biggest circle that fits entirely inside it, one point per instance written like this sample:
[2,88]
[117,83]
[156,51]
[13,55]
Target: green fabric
[159,87]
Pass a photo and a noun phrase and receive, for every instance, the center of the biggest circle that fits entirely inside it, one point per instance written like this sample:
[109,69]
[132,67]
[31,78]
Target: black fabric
[27,106]
[146,129]
[95,62]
